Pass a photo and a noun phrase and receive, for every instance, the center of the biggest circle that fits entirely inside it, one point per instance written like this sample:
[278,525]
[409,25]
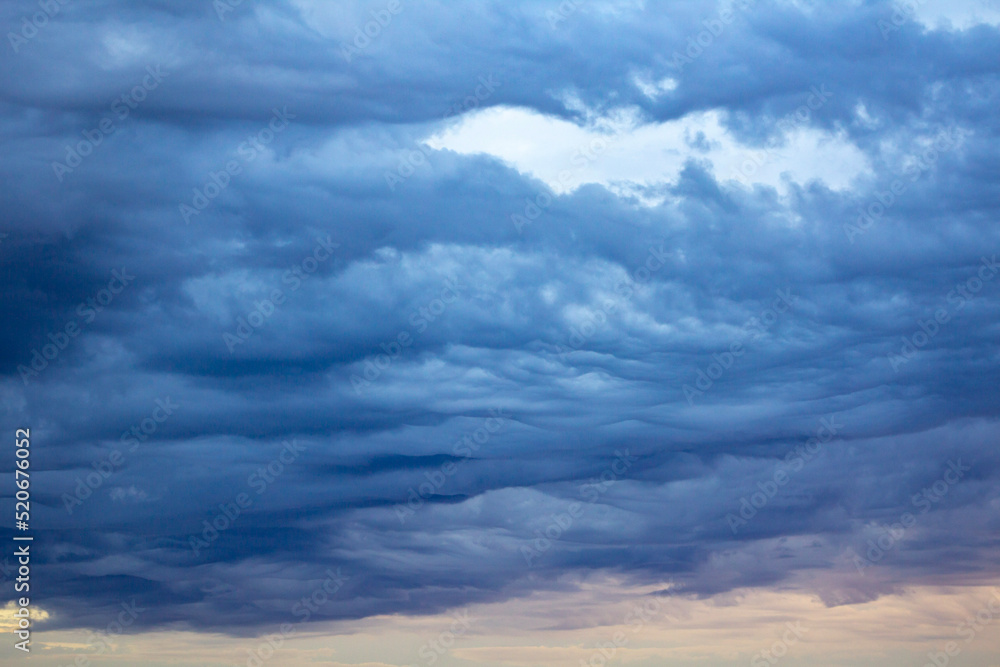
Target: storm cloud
[285,292]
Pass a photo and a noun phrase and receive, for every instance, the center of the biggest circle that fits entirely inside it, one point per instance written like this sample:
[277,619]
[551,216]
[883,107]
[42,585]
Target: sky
[514,334]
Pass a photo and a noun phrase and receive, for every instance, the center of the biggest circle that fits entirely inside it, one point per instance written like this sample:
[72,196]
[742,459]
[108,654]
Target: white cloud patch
[954,14]
[622,152]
